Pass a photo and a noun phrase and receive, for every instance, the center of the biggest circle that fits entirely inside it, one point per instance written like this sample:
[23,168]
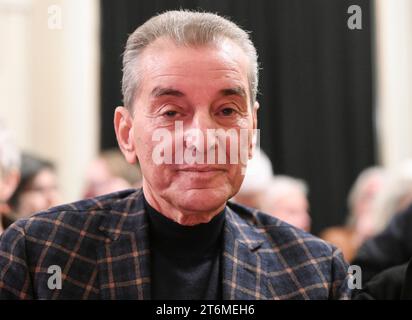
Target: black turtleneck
[185,261]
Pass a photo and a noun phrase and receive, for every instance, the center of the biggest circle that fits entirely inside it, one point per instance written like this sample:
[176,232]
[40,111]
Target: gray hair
[395,195]
[281,184]
[259,173]
[184,28]
[9,153]
[358,189]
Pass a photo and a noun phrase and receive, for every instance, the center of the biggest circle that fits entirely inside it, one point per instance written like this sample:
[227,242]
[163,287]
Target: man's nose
[203,121]
[196,135]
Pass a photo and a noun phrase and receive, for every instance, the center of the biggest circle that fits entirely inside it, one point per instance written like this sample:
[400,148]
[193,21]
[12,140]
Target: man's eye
[170,114]
[227,111]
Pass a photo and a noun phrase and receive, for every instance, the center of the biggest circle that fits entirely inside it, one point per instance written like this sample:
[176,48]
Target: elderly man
[9,174]
[177,238]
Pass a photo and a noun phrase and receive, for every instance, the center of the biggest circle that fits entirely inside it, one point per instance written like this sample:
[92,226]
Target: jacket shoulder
[73,219]
[280,233]
[298,264]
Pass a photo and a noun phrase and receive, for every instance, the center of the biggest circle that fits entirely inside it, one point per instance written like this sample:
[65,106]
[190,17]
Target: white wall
[394,79]
[14,67]
[49,82]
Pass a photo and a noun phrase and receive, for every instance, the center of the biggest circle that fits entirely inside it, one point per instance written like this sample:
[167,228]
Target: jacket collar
[129,214]
[238,229]
[244,270]
[125,214]
[126,228]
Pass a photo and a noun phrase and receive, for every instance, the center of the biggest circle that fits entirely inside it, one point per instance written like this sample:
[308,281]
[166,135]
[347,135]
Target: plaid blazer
[102,248]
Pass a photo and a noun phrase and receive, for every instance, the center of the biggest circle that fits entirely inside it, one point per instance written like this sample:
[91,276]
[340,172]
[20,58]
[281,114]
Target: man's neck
[183,217]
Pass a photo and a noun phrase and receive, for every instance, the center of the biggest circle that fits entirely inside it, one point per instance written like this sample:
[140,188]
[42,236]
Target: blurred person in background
[257,178]
[286,199]
[395,196]
[37,190]
[392,246]
[110,172]
[394,283]
[359,226]
[9,174]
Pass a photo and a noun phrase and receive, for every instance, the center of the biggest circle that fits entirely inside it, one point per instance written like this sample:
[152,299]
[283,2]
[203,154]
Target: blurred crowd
[374,199]
[28,184]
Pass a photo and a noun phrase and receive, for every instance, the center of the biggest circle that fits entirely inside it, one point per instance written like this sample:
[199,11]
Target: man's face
[202,88]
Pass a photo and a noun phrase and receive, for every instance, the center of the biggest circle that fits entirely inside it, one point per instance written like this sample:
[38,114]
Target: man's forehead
[164,54]
[166,70]
[160,91]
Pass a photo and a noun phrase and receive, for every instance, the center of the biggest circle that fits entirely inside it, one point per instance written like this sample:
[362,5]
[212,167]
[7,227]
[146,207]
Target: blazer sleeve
[15,282]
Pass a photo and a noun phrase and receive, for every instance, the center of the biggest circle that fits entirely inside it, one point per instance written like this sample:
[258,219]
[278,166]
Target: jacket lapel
[243,270]
[124,258]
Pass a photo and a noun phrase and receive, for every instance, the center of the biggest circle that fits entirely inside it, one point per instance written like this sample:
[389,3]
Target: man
[178,238]
[9,174]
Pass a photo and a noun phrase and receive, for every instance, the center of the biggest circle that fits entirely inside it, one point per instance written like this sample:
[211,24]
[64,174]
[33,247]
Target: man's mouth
[202,169]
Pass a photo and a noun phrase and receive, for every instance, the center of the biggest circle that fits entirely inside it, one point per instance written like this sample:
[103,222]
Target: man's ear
[255,133]
[123,125]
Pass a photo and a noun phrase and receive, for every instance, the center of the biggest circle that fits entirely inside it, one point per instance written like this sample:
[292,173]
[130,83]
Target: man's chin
[202,200]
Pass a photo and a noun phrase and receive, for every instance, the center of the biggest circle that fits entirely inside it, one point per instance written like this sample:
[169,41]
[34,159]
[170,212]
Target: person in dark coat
[390,248]
[392,284]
